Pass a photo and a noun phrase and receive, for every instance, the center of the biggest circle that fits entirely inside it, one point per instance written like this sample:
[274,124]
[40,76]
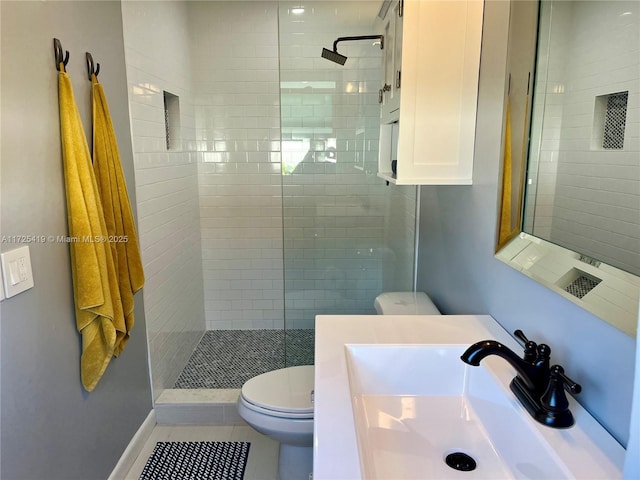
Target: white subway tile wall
[591,200]
[335,209]
[157,45]
[345,237]
[236,97]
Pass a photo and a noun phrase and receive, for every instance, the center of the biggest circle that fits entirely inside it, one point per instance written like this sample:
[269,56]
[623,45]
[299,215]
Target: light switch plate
[16,271]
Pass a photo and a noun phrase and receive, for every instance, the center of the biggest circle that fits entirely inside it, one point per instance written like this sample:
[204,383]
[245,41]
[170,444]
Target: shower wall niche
[270,211]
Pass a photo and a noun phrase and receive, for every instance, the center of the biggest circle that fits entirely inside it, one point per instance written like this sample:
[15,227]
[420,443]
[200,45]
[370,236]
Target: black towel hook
[90,66]
[59,56]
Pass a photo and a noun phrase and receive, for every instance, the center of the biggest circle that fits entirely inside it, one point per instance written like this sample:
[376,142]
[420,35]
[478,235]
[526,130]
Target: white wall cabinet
[432,133]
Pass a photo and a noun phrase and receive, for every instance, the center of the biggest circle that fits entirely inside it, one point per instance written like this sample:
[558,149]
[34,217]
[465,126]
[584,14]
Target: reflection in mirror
[520,63]
[582,200]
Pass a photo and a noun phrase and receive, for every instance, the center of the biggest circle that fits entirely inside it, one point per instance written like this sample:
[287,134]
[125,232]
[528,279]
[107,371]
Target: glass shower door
[347,235]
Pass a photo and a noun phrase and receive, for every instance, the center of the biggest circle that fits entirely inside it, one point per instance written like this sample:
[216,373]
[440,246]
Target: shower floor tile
[228,358]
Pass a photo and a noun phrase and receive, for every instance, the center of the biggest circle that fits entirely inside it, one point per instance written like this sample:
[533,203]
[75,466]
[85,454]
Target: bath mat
[197,461]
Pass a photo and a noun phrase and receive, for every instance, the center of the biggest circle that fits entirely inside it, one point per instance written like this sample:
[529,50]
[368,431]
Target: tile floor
[262,463]
[225,359]
[228,358]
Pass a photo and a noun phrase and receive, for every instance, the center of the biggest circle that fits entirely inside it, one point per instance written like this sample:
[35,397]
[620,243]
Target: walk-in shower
[266,210]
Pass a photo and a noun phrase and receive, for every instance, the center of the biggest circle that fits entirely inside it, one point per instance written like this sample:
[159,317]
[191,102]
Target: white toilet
[279,404]
[405,303]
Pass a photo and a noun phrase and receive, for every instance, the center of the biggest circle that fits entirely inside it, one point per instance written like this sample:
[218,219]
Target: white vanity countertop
[335,445]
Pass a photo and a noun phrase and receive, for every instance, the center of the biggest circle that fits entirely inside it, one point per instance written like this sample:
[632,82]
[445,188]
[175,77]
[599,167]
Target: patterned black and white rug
[197,461]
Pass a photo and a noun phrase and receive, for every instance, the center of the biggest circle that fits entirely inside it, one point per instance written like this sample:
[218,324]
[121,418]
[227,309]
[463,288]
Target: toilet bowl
[279,404]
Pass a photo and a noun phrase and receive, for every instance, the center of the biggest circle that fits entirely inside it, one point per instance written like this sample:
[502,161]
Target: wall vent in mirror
[171,120]
[610,119]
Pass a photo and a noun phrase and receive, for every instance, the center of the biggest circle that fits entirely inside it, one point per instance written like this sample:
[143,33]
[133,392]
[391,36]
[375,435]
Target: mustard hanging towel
[121,228]
[506,231]
[97,304]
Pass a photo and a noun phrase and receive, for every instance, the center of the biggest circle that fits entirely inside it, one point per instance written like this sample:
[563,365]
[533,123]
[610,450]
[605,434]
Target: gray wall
[51,428]
[457,267]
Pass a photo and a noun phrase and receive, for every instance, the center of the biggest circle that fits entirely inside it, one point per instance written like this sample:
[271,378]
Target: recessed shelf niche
[171,120]
[609,121]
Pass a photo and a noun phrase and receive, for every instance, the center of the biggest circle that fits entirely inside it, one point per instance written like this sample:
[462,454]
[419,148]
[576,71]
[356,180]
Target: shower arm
[360,37]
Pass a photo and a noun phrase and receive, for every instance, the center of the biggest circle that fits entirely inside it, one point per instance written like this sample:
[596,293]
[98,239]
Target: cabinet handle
[398,77]
[385,88]
[401,8]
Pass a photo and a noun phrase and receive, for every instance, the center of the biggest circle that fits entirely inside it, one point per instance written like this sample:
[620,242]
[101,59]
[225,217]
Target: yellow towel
[117,210]
[510,227]
[97,304]
[505,231]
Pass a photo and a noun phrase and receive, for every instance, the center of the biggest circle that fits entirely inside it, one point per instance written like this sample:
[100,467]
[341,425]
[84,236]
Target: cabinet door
[392,62]
[397,50]
[440,70]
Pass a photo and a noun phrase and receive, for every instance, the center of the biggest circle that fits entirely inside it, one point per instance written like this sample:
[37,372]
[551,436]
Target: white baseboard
[134,448]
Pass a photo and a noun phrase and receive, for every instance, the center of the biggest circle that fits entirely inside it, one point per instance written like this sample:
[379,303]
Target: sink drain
[460,461]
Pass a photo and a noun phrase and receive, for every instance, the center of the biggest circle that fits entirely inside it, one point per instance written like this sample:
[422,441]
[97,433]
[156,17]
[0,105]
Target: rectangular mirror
[570,204]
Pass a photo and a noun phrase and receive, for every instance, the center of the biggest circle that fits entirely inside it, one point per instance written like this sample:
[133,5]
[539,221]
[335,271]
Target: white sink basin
[415,404]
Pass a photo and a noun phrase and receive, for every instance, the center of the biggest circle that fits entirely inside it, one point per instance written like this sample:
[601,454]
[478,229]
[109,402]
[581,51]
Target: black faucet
[538,387]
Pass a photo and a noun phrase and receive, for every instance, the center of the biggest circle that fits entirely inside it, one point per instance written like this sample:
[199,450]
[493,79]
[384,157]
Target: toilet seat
[284,393]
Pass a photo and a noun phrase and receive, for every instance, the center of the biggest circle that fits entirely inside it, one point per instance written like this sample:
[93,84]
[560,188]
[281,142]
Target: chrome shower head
[333,56]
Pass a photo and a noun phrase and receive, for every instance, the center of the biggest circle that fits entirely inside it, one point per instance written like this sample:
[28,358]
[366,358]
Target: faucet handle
[555,406]
[532,351]
[530,347]
[569,384]
[543,352]
[521,336]
[554,398]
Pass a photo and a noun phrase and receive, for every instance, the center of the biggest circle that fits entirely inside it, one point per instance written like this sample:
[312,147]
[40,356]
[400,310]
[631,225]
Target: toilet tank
[405,303]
